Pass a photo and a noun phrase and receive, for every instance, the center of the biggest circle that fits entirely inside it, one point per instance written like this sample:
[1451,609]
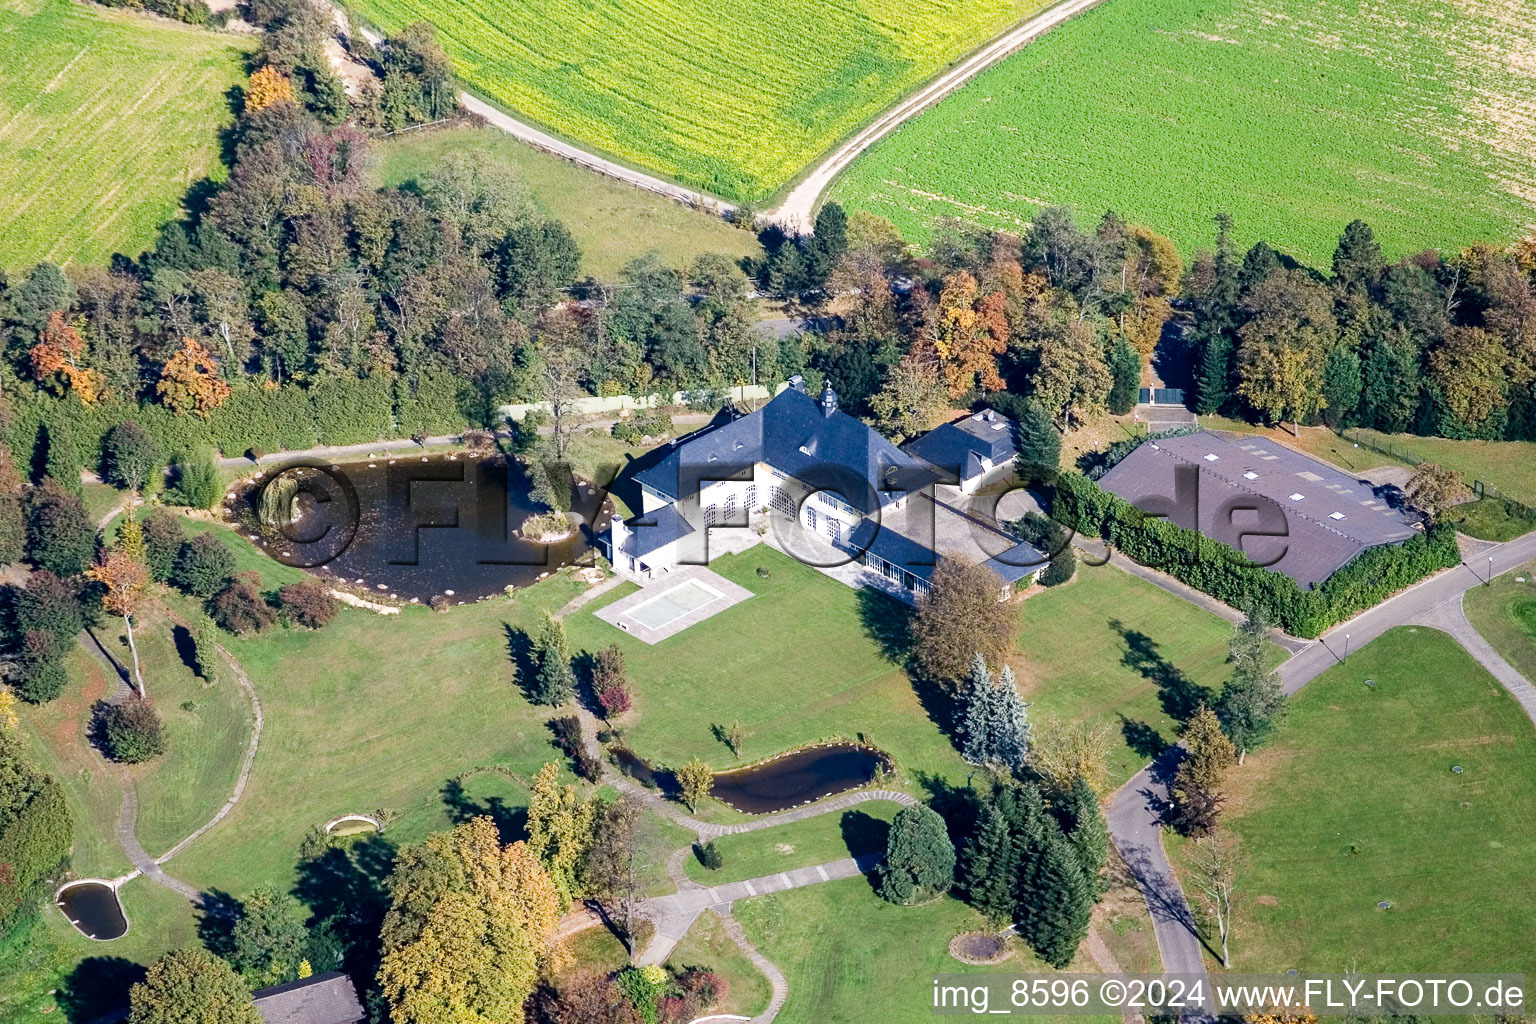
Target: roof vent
[1335,515]
[1212,458]
[1250,475]
[1297,496]
[999,426]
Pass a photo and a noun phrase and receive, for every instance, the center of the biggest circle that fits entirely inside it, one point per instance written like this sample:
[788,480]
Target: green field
[818,840]
[1356,803]
[734,97]
[1504,612]
[613,223]
[1294,116]
[106,119]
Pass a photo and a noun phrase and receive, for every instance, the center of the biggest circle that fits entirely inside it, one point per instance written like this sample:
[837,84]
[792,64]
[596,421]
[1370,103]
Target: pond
[798,777]
[93,908]
[413,526]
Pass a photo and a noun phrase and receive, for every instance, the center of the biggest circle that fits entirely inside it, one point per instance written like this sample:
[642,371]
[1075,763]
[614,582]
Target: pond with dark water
[93,908]
[413,526]
[798,777]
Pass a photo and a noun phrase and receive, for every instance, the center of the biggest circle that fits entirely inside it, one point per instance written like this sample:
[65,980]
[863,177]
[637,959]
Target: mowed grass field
[1504,612]
[1356,803]
[1294,116]
[734,97]
[612,222]
[106,119]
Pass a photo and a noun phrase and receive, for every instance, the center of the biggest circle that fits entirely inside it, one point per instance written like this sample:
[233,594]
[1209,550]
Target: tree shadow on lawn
[959,806]
[887,622]
[863,833]
[1143,740]
[525,667]
[98,986]
[186,649]
[216,921]
[1179,695]
[511,822]
[344,888]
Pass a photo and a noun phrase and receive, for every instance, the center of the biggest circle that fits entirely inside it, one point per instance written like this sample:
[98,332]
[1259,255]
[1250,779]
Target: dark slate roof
[323,999]
[1329,517]
[794,436]
[962,444]
[654,530]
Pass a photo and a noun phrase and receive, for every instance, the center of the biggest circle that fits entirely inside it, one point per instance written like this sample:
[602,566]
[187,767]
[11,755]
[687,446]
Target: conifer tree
[555,682]
[919,857]
[1089,836]
[1057,901]
[988,869]
[1251,702]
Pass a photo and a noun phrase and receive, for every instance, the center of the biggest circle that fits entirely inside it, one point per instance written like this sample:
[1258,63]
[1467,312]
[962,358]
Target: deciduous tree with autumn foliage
[190,382]
[125,578]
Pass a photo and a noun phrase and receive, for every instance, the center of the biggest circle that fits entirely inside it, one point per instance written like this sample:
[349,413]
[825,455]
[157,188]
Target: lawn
[106,119]
[818,840]
[707,945]
[1294,116]
[795,663]
[1356,803]
[1504,612]
[612,222]
[849,956]
[734,97]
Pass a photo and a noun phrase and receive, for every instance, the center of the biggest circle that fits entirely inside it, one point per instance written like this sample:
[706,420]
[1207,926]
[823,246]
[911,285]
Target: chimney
[616,531]
[828,399]
[796,383]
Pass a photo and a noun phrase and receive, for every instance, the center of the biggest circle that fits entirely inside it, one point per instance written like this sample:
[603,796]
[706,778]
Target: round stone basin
[93,908]
[798,777]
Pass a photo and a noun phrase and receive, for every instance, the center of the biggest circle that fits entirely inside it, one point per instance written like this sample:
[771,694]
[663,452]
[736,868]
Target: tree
[1472,368]
[133,730]
[1057,901]
[267,86]
[41,677]
[914,395]
[584,996]
[49,605]
[130,456]
[1125,376]
[191,986]
[8,717]
[989,867]
[204,565]
[1071,374]
[996,728]
[1214,863]
[1357,261]
[1286,338]
[1088,834]
[555,683]
[1341,385]
[1434,490]
[607,869]
[959,618]
[125,579]
[60,535]
[55,361]
[267,942]
[190,382]
[1064,752]
[1197,784]
[538,259]
[696,779]
[240,608]
[163,538]
[969,332]
[1038,443]
[1213,377]
[470,928]
[1251,702]
[919,857]
[195,480]
[560,823]
[205,644]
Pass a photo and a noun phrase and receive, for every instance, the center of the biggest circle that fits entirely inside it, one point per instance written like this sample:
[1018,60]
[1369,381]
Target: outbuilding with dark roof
[326,998]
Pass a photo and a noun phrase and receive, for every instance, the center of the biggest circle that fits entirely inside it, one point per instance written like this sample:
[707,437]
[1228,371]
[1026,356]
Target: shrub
[47,604]
[615,700]
[643,986]
[60,536]
[42,679]
[203,566]
[132,730]
[919,857]
[567,731]
[195,481]
[309,603]
[35,832]
[163,538]
[240,608]
[709,855]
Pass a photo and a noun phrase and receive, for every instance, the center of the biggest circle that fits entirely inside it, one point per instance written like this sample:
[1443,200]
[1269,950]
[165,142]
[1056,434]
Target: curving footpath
[1135,813]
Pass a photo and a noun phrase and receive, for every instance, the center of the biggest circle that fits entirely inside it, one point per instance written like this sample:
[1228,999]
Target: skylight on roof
[1335,515]
[1250,475]
[1297,495]
[998,426]
[1213,458]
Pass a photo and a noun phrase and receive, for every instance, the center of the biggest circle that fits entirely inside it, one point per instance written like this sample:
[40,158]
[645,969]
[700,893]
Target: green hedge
[1216,569]
[35,830]
[337,410]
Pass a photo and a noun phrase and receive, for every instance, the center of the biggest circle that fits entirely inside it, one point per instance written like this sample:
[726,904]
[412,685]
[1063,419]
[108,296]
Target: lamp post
[1489,581]
[1346,646]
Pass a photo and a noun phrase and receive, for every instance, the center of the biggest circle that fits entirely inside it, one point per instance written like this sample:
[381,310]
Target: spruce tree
[1125,370]
[976,724]
[1038,444]
[1010,723]
[1089,836]
[988,868]
[1251,702]
[1213,378]
[1056,901]
[919,857]
[555,682]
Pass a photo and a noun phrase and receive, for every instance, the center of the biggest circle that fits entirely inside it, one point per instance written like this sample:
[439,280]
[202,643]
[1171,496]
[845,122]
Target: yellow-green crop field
[735,97]
[106,119]
[1294,116]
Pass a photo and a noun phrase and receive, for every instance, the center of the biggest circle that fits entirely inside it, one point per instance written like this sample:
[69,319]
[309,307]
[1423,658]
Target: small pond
[413,526]
[93,908]
[798,777]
